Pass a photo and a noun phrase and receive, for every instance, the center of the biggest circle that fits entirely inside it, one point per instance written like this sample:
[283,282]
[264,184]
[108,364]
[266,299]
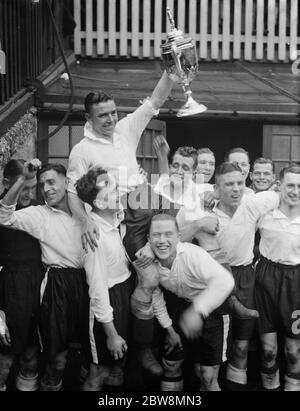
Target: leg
[292,353]
[269,369]
[27,379]
[95,378]
[209,377]
[52,379]
[172,378]
[6,361]
[115,378]
[141,307]
[237,366]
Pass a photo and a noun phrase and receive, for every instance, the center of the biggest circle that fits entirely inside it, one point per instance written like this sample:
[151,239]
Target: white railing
[262,30]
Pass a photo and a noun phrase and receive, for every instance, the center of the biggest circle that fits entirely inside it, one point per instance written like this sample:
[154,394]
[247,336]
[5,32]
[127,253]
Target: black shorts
[210,348]
[64,313]
[277,293]
[20,299]
[244,277]
[119,297]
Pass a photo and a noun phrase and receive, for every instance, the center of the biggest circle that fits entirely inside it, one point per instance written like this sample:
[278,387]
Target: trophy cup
[181,63]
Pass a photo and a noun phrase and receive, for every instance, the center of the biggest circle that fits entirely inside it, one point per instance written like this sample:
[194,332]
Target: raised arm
[161,91]
[162,150]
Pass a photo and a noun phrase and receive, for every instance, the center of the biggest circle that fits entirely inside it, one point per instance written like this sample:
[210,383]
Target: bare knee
[209,378]
[55,369]
[269,353]
[240,350]
[292,353]
[29,361]
[6,362]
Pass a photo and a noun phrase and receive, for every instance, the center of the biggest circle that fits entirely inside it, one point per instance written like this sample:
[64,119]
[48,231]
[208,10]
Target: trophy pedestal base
[191,108]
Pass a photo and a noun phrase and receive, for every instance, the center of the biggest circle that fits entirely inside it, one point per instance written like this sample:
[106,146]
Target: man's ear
[251,175]
[6,183]
[148,237]
[87,117]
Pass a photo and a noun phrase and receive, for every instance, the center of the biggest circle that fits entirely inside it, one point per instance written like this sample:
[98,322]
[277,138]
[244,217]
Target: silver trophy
[181,63]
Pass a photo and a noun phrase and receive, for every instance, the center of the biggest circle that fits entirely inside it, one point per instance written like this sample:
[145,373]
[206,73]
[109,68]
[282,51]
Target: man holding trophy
[111,145]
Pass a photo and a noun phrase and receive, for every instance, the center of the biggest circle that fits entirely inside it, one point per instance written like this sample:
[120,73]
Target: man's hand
[90,236]
[145,256]
[30,168]
[143,173]
[4,332]
[208,199]
[116,346]
[172,340]
[191,323]
[161,146]
[209,224]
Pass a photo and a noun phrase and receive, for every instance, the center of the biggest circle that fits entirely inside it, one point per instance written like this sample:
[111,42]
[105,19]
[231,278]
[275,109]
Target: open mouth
[162,248]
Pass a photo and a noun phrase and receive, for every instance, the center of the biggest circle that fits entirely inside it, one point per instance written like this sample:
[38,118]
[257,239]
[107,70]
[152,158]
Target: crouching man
[202,285]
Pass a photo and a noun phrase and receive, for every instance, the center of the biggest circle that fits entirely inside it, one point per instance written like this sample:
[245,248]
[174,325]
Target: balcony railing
[255,30]
[27,39]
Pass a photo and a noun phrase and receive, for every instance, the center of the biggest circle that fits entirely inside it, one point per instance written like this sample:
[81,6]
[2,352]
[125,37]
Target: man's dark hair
[165,217]
[226,168]
[86,185]
[262,160]
[187,151]
[59,168]
[236,150]
[293,168]
[95,98]
[205,150]
[13,169]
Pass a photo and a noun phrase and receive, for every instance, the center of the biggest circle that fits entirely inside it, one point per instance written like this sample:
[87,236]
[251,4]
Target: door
[281,143]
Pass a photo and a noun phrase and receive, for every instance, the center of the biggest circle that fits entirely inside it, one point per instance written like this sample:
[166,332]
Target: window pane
[76,134]
[63,161]
[59,143]
[281,147]
[296,148]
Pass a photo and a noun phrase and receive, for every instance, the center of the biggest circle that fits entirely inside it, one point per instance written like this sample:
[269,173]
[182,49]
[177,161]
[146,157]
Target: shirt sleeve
[138,120]
[216,282]
[78,166]
[97,274]
[32,220]
[160,309]
[235,238]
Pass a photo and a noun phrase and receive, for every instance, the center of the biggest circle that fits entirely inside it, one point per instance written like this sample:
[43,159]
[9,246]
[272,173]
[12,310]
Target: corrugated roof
[222,87]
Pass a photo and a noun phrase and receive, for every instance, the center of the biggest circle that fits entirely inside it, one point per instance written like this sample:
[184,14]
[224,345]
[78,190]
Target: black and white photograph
[150,199]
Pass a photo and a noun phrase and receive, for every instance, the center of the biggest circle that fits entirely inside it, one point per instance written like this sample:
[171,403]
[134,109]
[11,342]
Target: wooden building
[248,74]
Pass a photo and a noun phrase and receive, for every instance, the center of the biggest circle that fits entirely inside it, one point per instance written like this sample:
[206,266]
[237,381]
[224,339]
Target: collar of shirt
[56,210]
[219,212]
[89,133]
[279,215]
[105,225]
[179,250]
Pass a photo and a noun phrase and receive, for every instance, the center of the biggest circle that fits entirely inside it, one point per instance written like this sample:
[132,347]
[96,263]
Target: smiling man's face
[163,238]
[103,118]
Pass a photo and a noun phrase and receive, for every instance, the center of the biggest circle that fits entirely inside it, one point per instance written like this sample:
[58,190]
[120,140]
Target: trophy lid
[174,35]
